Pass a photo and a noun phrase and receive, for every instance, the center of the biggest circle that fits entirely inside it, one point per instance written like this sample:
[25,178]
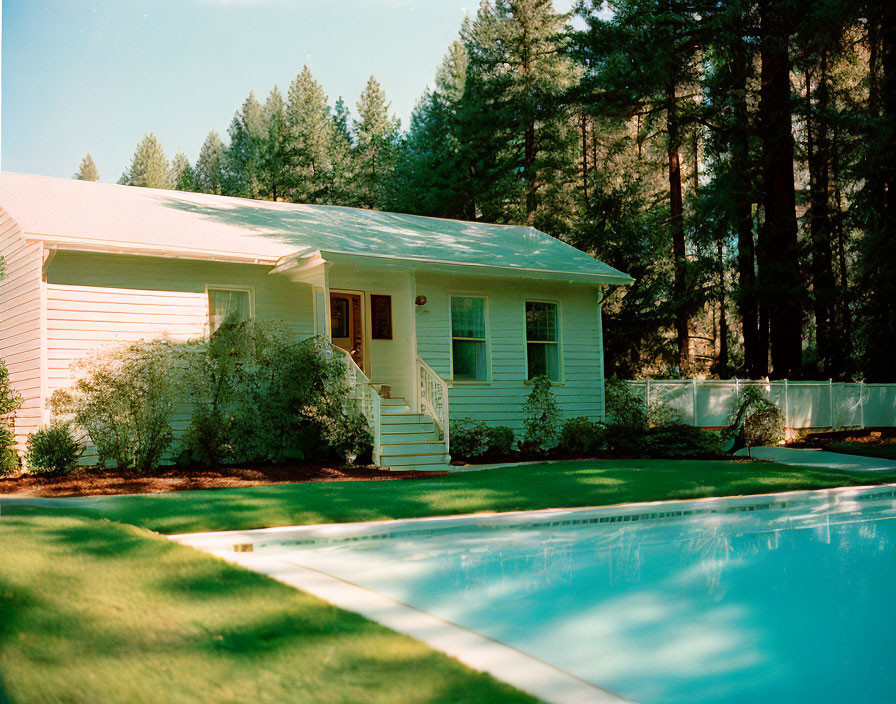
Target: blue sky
[93,76]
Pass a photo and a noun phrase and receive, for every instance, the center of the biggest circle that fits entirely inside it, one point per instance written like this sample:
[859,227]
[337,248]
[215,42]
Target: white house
[453,317]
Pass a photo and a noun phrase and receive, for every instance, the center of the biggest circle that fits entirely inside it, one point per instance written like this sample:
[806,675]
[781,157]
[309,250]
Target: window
[228,305]
[469,347]
[542,340]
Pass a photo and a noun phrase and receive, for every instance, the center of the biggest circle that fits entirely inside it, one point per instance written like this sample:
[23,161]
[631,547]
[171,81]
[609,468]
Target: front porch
[367,311]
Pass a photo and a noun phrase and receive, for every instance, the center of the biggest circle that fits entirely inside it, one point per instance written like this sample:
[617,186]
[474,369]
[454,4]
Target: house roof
[74,214]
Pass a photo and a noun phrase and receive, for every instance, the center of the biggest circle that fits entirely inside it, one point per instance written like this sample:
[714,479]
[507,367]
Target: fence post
[647,398]
[831,391]
[786,406]
[696,425]
[862,404]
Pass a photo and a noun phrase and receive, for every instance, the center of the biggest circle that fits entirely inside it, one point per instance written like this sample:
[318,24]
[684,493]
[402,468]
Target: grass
[563,484]
[94,611]
[866,449]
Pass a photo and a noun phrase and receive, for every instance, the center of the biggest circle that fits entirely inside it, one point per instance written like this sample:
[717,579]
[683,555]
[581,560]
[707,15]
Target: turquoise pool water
[792,603]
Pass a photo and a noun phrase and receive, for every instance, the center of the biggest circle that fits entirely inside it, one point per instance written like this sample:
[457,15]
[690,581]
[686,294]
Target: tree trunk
[584,159]
[748,305]
[818,154]
[676,222]
[782,289]
[723,360]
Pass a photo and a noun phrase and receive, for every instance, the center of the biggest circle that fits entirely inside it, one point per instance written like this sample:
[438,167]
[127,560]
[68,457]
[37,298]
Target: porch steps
[408,440]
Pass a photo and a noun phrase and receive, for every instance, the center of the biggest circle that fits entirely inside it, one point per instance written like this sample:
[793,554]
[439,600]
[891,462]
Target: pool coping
[289,537]
[504,662]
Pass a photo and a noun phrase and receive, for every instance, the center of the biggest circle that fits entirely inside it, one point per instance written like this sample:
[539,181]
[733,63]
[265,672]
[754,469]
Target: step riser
[407,428]
[416,448]
[413,460]
[398,419]
[410,437]
[393,410]
[395,401]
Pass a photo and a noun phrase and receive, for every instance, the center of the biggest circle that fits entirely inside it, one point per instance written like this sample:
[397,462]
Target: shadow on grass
[560,485]
[99,612]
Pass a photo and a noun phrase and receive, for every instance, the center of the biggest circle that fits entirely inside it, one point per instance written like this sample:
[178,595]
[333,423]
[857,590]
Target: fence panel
[805,404]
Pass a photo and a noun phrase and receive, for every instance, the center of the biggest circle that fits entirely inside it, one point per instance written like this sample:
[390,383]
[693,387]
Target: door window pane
[228,306]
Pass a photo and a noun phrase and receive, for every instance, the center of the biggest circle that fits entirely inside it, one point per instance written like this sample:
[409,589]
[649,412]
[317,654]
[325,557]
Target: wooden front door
[347,326]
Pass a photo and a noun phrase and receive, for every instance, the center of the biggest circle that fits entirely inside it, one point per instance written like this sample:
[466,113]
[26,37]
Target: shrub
[542,415]
[626,418]
[10,402]
[680,440]
[582,436]
[660,414]
[469,438]
[756,421]
[624,408]
[258,396]
[499,439]
[53,450]
[124,399]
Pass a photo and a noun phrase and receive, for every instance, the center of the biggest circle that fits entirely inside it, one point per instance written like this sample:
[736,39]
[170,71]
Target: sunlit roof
[109,217]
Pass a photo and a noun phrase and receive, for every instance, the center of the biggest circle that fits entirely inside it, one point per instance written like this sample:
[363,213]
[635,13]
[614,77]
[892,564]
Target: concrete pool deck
[810,457]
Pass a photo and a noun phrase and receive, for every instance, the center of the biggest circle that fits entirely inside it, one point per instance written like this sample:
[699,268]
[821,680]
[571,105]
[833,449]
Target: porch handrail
[432,397]
[361,390]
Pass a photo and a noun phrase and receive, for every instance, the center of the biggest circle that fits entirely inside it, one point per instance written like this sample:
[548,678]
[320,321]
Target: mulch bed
[94,482]
[880,436]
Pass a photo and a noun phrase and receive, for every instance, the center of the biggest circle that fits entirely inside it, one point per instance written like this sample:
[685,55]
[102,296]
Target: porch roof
[73,214]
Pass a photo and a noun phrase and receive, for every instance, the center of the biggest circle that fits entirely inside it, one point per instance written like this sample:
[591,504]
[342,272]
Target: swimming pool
[783,600]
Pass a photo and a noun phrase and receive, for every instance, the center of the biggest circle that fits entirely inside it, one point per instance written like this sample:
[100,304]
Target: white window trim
[227,287]
[561,367]
[488,340]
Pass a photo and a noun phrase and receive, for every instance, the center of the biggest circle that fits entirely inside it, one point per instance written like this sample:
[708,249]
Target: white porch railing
[432,397]
[361,390]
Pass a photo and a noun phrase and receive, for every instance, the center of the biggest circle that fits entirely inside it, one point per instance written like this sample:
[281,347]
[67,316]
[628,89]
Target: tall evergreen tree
[182,175]
[149,168]
[312,129]
[245,161]
[376,135]
[276,150]
[211,163]
[87,170]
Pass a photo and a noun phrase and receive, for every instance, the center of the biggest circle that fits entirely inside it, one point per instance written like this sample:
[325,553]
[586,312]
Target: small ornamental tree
[124,399]
[542,415]
[755,422]
[10,402]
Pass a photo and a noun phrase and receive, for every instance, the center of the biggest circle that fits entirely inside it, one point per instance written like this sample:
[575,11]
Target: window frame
[487,340]
[226,287]
[561,367]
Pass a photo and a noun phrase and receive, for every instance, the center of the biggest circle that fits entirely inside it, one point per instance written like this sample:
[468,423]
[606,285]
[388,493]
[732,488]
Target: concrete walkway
[809,457]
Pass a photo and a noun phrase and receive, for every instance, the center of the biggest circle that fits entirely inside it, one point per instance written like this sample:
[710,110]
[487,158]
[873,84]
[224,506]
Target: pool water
[793,603]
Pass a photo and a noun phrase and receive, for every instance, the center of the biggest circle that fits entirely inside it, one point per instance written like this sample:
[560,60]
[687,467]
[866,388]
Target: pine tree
[276,147]
[210,165]
[376,134]
[87,171]
[244,163]
[341,156]
[149,168]
[182,175]
[312,129]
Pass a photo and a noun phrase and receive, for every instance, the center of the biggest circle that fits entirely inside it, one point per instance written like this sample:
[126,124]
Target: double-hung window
[469,341]
[543,340]
[228,306]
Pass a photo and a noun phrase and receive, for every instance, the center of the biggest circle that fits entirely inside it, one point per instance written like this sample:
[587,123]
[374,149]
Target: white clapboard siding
[500,402]
[20,322]
[82,319]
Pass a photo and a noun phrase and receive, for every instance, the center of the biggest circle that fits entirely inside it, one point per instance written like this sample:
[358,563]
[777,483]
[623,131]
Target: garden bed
[93,482]
[867,442]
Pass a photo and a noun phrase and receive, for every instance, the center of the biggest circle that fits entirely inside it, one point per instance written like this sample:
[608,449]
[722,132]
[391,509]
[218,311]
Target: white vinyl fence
[805,404]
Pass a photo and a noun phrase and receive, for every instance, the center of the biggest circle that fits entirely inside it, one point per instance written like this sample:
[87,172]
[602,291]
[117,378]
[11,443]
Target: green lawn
[564,484]
[93,611]
[866,449]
